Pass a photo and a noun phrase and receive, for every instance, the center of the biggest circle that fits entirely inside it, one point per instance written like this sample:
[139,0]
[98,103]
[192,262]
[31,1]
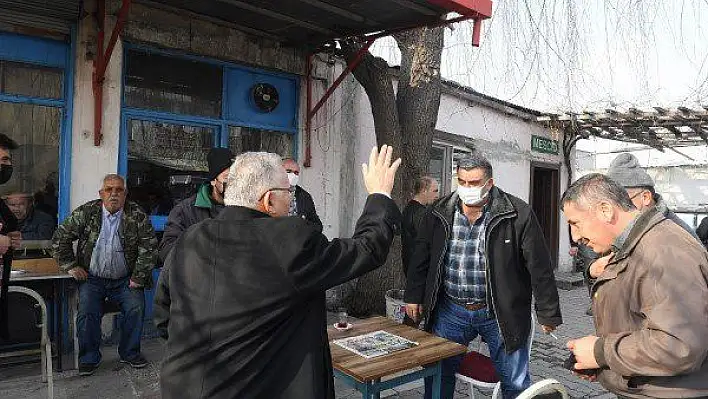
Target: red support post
[100,64]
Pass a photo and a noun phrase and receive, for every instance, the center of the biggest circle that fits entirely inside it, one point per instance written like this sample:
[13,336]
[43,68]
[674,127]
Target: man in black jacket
[250,322]
[301,204]
[425,191]
[479,258]
[10,237]
[205,204]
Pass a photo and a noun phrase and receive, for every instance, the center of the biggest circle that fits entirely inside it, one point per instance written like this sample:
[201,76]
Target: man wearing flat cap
[207,203]
[626,171]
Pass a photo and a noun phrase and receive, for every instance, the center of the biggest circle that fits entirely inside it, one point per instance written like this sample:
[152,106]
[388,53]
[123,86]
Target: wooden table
[366,374]
[44,272]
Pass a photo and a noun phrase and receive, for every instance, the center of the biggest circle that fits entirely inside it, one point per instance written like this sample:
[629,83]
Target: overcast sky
[558,55]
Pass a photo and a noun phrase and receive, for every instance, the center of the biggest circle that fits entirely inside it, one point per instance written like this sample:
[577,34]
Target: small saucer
[349,325]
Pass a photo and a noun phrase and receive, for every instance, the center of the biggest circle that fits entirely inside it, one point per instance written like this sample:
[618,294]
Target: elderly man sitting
[116,252]
[34,224]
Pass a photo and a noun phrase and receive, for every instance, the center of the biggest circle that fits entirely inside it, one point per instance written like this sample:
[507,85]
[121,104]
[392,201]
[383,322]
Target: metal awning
[659,128]
[314,22]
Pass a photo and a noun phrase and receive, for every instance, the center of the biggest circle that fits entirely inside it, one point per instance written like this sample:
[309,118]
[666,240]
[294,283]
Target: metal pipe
[98,78]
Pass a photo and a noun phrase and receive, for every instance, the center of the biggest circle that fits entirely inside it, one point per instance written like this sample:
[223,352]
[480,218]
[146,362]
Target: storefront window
[30,80]
[244,139]
[32,192]
[175,85]
[166,162]
[173,116]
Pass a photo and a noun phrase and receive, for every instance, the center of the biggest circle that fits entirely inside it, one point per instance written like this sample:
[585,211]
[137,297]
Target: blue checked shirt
[465,274]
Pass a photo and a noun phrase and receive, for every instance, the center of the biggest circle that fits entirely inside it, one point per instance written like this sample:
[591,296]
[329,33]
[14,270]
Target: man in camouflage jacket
[116,252]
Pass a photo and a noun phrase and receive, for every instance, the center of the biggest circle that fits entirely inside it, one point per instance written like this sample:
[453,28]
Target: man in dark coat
[425,191]
[9,236]
[250,322]
[480,257]
[205,204]
[301,204]
[33,223]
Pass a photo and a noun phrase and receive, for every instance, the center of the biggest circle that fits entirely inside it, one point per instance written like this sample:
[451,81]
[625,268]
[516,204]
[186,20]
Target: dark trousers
[92,294]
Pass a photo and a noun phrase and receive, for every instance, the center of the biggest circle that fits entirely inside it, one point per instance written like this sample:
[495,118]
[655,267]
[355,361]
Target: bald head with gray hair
[251,175]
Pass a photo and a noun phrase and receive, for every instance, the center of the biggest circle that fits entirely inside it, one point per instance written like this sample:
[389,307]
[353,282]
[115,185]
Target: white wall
[504,139]
[90,163]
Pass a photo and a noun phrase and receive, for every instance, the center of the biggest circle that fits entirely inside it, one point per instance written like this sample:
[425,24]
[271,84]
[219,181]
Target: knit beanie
[626,171]
[219,159]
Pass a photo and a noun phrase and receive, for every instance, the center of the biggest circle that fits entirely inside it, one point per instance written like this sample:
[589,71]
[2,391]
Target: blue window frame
[182,99]
[46,57]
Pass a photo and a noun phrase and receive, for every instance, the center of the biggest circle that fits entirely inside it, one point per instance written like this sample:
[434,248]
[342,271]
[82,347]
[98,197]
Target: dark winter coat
[518,264]
[8,224]
[306,207]
[250,322]
[188,212]
[410,228]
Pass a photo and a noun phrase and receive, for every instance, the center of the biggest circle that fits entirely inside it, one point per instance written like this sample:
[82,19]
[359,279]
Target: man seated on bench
[117,250]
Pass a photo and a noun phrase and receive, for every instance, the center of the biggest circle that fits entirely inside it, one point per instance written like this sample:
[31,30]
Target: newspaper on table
[374,344]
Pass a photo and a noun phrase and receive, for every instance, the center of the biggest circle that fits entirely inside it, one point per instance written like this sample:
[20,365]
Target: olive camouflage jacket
[84,224]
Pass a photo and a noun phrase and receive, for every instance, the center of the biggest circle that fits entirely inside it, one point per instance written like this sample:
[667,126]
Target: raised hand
[380,173]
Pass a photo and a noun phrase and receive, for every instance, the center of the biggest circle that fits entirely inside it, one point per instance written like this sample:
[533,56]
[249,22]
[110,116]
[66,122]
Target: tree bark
[406,120]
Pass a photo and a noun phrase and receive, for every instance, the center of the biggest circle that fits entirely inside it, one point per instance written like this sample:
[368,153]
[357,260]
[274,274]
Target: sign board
[543,144]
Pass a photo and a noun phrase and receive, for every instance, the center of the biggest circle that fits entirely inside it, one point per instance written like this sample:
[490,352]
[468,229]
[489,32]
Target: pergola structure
[660,128]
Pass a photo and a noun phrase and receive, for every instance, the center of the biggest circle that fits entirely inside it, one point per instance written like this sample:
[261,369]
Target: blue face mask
[472,196]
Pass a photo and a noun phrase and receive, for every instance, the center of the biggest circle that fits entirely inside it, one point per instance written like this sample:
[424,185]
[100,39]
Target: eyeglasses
[290,190]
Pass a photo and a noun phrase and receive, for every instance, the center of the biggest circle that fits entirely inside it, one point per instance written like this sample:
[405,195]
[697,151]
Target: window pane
[436,166]
[32,192]
[31,80]
[457,153]
[176,85]
[166,163]
[244,139]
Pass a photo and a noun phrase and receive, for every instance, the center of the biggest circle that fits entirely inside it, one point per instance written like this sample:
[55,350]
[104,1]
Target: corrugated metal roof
[313,22]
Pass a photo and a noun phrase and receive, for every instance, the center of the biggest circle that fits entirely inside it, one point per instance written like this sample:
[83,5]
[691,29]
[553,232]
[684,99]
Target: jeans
[455,323]
[92,294]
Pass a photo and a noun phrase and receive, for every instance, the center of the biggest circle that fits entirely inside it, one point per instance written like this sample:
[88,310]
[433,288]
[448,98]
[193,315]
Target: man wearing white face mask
[480,256]
[301,204]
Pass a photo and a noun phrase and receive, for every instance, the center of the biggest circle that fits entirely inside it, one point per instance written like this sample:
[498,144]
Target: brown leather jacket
[651,311]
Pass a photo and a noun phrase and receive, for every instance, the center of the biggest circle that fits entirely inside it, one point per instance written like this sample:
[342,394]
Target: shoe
[137,362]
[87,369]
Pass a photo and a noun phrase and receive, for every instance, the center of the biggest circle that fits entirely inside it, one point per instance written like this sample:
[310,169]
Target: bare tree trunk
[407,122]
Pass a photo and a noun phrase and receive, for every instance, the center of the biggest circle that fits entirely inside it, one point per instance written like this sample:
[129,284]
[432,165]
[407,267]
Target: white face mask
[293,179]
[471,196]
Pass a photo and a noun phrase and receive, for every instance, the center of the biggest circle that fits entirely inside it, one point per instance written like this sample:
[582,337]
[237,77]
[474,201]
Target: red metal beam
[312,111]
[100,64]
[473,8]
[477,10]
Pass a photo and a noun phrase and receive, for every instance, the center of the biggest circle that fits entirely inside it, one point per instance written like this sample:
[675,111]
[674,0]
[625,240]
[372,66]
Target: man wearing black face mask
[9,236]
[207,203]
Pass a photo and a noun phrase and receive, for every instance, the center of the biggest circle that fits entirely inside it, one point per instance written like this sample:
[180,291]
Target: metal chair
[473,375]
[45,344]
[543,387]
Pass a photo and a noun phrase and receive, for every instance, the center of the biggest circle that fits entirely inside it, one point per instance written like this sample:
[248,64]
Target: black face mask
[5,173]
